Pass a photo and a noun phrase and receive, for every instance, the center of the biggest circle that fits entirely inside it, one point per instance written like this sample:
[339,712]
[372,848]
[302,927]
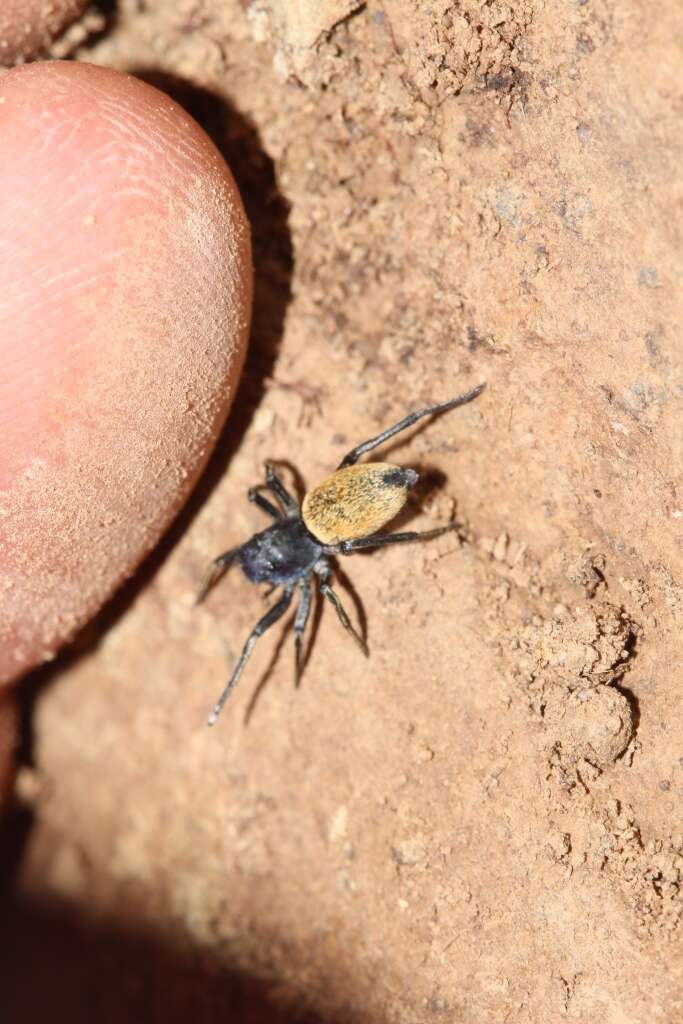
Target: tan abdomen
[356,501]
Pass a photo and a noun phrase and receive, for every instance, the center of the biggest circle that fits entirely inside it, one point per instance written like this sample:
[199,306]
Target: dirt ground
[483,822]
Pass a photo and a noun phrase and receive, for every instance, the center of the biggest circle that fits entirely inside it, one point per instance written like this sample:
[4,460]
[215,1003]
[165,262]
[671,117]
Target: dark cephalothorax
[340,515]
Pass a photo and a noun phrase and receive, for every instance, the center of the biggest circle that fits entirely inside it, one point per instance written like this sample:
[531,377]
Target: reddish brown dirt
[28,27]
[483,822]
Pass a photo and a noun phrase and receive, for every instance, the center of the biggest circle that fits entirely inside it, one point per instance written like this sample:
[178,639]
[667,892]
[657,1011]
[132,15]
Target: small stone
[500,547]
[594,724]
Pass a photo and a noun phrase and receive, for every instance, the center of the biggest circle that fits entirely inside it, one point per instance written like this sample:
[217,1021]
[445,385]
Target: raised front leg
[406,422]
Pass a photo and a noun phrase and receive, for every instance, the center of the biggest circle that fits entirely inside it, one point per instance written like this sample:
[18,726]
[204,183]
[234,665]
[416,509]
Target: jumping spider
[340,515]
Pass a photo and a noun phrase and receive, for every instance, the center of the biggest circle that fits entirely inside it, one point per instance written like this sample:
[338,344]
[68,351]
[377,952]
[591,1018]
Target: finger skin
[124,309]
[29,26]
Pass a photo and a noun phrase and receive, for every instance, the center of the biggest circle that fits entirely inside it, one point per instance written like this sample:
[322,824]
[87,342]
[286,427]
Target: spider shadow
[315,620]
[265,675]
[431,481]
[408,436]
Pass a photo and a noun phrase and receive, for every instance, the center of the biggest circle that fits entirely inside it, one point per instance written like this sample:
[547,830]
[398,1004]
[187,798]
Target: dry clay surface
[483,822]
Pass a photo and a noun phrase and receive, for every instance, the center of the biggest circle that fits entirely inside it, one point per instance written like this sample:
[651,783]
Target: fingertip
[125,310]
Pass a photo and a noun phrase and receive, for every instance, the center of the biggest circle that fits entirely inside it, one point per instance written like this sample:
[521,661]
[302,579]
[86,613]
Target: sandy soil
[483,822]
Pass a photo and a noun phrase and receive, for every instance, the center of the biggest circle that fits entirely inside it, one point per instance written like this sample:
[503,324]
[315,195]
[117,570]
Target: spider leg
[323,570]
[380,540]
[406,422]
[215,572]
[263,503]
[273,483]
[271,616]
[300,621]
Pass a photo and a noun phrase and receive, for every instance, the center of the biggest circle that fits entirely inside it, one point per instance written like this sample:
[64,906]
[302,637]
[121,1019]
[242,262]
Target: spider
[339,516]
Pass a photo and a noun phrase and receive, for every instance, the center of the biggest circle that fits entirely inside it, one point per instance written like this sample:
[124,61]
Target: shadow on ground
[60,967]
[57,964]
